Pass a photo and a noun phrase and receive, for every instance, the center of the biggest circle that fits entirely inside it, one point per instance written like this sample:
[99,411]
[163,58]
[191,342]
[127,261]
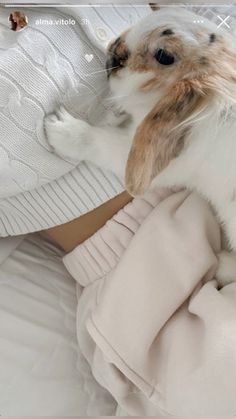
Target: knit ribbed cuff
[79,191]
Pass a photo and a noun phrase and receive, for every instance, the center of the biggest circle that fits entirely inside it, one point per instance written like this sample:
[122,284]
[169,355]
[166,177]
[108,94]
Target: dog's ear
[154,6]
[161,135]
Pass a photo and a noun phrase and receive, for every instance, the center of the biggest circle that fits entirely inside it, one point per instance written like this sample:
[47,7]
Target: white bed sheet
[41,369]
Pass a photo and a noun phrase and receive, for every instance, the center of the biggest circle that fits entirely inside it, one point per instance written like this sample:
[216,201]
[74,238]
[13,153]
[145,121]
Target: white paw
[226,272]
[66,134]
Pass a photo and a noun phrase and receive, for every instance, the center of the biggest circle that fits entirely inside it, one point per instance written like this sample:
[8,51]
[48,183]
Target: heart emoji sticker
[89,57]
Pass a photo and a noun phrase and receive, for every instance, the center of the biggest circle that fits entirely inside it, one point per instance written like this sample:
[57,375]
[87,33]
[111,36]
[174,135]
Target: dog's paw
[226,272]
[66,134]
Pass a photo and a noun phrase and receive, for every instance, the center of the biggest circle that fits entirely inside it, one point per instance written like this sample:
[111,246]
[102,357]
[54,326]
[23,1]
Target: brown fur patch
[160,138]
[121,49]
[118,53]
[151,84]
[140,61]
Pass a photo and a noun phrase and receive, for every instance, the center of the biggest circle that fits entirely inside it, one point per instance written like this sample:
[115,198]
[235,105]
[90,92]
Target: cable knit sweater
[49,63]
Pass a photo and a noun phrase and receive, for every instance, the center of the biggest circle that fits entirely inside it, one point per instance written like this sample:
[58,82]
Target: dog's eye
[164,57]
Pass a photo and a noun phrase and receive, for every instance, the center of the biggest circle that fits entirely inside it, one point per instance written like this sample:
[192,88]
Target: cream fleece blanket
[158,333]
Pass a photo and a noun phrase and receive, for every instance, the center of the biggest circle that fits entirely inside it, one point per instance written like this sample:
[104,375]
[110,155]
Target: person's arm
[71,234]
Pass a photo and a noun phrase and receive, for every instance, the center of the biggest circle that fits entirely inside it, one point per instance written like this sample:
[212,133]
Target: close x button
[223,21]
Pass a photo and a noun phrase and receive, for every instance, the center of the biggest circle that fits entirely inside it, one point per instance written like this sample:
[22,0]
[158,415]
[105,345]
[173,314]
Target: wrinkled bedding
[155,335]
[157,330]
[42,371]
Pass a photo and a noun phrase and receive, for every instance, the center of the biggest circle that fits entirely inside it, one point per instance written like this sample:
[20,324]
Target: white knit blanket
[47,64]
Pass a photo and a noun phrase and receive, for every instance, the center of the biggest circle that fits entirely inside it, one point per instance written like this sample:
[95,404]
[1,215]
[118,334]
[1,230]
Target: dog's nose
[112,63]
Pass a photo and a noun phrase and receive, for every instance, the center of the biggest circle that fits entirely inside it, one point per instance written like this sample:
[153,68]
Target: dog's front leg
[74,139]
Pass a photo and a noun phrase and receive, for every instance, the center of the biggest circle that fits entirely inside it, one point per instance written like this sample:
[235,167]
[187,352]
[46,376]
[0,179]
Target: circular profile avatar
[18,21]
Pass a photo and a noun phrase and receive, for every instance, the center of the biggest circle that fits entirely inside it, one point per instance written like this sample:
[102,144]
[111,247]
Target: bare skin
[70,235]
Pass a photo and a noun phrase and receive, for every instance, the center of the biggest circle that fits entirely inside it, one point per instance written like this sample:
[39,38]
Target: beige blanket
[158,333]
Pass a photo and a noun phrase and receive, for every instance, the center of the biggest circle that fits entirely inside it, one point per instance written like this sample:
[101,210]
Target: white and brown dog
[177,82]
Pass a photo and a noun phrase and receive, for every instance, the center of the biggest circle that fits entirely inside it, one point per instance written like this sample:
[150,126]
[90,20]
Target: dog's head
[184,67]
